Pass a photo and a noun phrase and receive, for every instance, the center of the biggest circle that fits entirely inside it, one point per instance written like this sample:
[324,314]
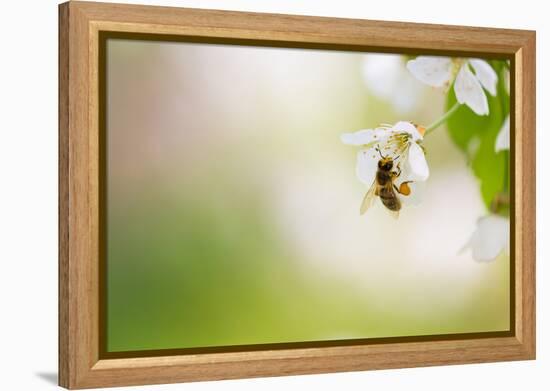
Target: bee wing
[394,214]
[368,199]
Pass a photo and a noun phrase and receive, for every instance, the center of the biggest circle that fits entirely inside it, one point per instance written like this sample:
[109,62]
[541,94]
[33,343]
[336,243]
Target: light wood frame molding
[80,24]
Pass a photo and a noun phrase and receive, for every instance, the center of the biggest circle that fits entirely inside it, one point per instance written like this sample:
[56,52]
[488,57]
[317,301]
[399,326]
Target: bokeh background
[233,206]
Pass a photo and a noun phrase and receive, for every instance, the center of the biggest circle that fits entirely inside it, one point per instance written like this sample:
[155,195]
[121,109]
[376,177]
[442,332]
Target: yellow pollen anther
[421,130]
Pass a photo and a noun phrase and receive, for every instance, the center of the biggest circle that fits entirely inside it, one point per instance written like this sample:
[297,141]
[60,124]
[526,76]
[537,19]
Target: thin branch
[442,120]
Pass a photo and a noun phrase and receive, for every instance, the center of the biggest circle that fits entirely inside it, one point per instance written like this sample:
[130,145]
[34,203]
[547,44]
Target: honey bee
[384,186]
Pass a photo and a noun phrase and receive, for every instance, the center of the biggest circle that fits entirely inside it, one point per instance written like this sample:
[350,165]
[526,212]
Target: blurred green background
[233,206]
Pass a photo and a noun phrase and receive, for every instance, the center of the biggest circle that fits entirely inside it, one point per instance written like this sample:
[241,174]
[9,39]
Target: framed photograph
[247,195]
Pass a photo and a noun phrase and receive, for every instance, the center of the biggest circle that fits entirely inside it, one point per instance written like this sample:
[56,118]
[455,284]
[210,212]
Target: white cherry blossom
[503,138]
[470,77]
[401,142]
[490,239]
[386,76]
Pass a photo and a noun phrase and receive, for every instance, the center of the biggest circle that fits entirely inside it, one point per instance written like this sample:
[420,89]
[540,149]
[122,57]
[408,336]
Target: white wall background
[28,194]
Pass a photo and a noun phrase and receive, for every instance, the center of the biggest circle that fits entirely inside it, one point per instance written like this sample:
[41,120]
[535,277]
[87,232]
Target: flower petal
[490,238]
[367,164]
[469,91]
[416,167]
[507,79]
[434,71]
[407,127]
[485,74]
[503,138]
[364,137]
[418,189]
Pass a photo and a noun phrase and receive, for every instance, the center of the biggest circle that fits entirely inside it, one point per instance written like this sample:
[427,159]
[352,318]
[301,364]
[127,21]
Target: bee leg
[398,173]
[395,174]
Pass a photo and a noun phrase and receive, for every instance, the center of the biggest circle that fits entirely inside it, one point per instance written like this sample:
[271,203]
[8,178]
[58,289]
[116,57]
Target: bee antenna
[379,152]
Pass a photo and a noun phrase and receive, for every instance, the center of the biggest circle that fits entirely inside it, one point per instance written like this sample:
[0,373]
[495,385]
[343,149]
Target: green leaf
[465,125]
[489,166]
[468,130]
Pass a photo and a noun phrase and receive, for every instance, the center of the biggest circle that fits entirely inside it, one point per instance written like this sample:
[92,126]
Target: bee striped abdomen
[389,199]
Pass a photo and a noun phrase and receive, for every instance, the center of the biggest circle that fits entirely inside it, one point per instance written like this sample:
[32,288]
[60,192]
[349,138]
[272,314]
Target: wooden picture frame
[81,25]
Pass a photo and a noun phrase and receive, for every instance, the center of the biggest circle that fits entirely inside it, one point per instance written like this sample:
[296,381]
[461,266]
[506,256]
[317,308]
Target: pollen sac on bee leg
[405,189]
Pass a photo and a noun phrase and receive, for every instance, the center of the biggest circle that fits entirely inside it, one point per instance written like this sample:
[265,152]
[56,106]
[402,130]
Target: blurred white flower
[401,142]
[468,85]
[386,76]
[503,138]
[491,237]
